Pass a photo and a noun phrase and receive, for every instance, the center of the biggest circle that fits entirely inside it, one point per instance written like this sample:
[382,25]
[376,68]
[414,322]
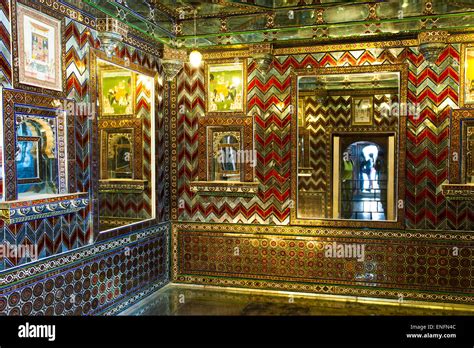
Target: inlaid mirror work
[348,126]
[126,137]
[36,156]
[225,164]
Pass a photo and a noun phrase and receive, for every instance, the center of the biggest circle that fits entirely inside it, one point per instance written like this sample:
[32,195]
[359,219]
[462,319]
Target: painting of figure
[39,49]
[225,87]
[116,93]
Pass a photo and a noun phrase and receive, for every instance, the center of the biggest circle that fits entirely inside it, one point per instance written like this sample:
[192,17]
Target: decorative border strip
[56,262]
[219,188]
[122,306]
[69,11]
[324,289]
[458,192]
[28,212]
[323,232]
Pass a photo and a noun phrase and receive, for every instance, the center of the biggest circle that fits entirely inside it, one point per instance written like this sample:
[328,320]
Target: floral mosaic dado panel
[101,279]
[296,258]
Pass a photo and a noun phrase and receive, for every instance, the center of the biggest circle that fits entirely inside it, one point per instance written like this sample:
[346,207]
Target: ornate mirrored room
[219,157]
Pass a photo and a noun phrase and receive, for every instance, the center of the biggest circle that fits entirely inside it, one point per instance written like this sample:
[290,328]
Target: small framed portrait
[39,51]
[226,86]
[117,92]
[466,98]
[362,110]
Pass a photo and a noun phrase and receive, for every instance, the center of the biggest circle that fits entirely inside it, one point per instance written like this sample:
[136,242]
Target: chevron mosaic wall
[433,88]
[64,233]
[111,280]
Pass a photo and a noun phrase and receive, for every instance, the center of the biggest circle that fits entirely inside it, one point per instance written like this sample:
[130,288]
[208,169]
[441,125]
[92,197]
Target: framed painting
[466,97]
[38,49]
[117,92]
[362,110]
[226,88]
[121,149]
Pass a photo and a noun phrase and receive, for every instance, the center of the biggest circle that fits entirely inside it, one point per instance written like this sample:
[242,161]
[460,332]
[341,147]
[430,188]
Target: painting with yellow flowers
[117,92]
[467,77]
[226,88]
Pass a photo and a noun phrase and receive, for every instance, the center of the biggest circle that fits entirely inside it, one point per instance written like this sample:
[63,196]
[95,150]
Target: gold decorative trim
[321,231]
[241,51]
[122,186]
[223,187]
[461,37]
[281,285]
[68,11]
[343,47]
[403,70]
[458,192]
[171,98]
[173,53]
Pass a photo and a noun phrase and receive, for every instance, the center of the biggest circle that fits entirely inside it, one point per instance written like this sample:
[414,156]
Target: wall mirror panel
[126,143]
[36,155]
[347,151]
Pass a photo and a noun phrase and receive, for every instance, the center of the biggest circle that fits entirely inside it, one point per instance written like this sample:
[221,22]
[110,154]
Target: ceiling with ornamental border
[217,23]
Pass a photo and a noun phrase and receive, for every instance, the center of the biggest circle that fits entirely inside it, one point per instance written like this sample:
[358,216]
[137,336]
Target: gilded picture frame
[216,149]
[134,127]
[118,89]
[243,125]
[226,88]
[362,110]
[38,49]
[466,95]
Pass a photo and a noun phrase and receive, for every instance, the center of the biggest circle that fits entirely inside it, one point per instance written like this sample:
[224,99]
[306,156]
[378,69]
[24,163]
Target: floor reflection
[194,300]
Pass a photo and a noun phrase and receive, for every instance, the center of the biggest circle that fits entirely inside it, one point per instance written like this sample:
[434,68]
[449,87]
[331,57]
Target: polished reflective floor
[197,300]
